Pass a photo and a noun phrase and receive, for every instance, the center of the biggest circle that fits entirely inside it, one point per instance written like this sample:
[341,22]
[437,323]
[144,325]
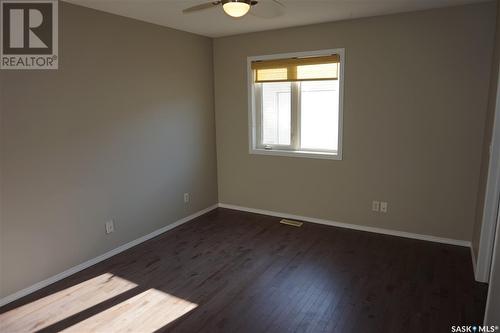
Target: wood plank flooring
[230,271]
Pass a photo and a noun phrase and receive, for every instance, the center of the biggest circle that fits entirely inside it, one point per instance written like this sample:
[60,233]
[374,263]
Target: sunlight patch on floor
[145,312]
[63,304]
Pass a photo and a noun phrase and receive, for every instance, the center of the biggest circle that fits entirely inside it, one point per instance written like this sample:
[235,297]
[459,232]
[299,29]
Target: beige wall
[120,131]
[483,177]
[416,91]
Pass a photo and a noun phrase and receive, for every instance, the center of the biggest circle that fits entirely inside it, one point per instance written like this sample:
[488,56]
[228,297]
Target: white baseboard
[88,263]
[474,263]
[351,226]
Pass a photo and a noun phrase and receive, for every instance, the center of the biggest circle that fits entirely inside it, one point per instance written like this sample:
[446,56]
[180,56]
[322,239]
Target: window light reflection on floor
[146,312]
[130,308]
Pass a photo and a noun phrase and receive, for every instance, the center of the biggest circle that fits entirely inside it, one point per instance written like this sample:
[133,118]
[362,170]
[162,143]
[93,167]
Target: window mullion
[296,115]
[259,116]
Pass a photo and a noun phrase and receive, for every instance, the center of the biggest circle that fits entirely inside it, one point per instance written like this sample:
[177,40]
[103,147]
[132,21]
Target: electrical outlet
[110,227]
[187,197]
[375,206]
[383,207]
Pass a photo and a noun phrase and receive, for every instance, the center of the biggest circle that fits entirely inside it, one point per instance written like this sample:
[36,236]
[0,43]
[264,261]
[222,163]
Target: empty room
[249,166]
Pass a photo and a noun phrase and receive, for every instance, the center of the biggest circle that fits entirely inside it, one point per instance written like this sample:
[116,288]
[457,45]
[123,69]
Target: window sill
[297,153]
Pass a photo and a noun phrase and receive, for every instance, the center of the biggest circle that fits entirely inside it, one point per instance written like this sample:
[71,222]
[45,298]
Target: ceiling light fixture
[236,8]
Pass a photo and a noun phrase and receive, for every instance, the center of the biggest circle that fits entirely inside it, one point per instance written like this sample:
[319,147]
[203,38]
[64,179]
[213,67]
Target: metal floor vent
[291,222]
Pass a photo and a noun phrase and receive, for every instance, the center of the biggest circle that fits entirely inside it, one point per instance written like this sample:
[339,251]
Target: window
[296,104]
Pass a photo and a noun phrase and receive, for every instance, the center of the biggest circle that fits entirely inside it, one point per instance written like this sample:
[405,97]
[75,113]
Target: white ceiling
[214,23]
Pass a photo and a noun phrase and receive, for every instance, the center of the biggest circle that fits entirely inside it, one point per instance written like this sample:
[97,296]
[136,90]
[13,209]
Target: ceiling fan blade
[203,6]
[268,9]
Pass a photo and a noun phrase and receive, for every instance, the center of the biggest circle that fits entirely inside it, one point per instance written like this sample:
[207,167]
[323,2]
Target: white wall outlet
[110,227]
[187,197]
[375,206]
[383,207]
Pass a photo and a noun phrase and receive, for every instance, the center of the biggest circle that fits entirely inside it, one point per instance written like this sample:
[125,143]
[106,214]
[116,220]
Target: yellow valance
[297,69]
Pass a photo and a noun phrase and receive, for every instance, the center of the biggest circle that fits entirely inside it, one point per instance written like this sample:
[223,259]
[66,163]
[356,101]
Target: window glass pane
[276,113]
[319,115]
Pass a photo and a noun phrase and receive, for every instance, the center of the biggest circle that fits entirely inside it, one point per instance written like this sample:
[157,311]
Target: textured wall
[120,131]
[416,93]
[488,132]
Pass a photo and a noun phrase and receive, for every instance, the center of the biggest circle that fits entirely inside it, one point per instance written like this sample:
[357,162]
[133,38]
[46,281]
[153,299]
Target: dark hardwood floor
[231,271]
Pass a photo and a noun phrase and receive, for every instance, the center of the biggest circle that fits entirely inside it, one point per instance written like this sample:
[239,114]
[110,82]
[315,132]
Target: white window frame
[254,111]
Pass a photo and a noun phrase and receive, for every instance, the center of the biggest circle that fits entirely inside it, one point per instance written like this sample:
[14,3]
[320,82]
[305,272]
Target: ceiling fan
[239,8]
